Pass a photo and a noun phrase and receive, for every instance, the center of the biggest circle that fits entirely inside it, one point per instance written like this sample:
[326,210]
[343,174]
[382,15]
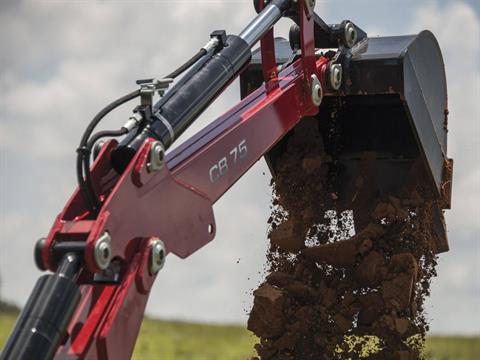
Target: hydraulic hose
[174,116]
[90,187]
[83,152]
[183,107]
[188,64]
[84,178]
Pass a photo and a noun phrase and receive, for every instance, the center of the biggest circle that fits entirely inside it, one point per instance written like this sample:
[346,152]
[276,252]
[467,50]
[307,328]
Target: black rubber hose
[104,134]
[89,186]
[84,152]
[188,102]
[202,52]
[104,112]
[81,181]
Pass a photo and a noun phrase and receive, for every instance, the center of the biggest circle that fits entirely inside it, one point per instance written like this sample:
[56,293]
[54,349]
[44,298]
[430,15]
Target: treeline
[8,308]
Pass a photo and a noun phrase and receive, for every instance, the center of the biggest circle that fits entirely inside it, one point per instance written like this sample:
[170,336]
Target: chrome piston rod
[264,21]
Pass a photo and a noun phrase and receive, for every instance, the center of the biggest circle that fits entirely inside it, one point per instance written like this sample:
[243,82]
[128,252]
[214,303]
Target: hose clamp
[148,87]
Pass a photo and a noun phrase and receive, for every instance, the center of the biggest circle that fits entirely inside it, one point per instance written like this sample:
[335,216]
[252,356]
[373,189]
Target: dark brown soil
[333,294]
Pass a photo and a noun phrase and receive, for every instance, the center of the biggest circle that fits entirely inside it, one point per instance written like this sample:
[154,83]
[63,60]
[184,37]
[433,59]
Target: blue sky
[62,61]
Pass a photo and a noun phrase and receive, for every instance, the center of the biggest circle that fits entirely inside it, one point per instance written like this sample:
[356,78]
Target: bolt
[103,251]
[156,157]
[97,148]
[317,92]
[157,256]
[350,35]
[335,75]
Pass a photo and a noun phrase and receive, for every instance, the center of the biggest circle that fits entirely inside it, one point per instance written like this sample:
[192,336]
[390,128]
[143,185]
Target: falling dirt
[346,279]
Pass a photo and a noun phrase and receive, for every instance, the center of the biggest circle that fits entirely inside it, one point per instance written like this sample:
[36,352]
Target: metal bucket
[390,117]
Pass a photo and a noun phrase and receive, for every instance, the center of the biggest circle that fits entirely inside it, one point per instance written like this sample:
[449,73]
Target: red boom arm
[173,204]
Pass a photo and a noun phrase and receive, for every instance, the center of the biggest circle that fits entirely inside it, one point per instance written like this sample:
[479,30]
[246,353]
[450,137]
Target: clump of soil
[347,279]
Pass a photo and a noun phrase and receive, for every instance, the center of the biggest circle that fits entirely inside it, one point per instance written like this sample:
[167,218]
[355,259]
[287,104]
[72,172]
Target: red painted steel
[307,42]
[174,204]
[269,62]
[156,205]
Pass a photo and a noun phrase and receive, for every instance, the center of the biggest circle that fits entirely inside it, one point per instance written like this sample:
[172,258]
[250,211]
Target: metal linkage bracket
[269,64]
[307,44]
[148,88]
[309,7]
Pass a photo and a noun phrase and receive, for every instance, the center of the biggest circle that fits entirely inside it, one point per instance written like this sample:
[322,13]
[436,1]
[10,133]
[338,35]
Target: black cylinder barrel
[176,114]
[205,85]
[42,324]
[174,117]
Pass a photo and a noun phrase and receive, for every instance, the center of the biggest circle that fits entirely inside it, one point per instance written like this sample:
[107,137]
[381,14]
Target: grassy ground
[173,340]
[453,348]
[165,340]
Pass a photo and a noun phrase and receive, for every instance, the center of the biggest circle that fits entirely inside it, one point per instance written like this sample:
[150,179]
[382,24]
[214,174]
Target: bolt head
[157,256]
[350,35]
[103,251]
[336,76]
[317,91]
[156,157]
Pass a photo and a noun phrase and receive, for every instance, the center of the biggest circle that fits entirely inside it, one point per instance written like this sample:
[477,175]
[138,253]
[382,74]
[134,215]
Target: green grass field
[176,340]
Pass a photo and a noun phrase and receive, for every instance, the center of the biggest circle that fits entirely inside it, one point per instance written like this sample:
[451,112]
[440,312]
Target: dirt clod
[285,237]
[342,253]
[266,319]
[342,272]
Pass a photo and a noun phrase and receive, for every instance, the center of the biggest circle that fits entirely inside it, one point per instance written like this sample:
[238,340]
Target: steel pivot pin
[156,157]
[103,251]
[157,256]
[350,35]
[335,71]
[317,92]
